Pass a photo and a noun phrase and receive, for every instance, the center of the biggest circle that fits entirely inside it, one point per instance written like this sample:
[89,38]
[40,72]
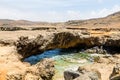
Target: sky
[57,10]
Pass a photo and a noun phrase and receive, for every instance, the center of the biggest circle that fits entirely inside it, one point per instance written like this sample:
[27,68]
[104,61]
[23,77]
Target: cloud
[104,12]
[55,15]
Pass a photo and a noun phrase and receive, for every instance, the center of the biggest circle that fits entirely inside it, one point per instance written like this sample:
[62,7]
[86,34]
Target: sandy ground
[103,68]
[14,35]
[9,61]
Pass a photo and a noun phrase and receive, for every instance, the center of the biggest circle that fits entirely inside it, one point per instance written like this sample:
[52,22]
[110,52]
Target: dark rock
[82,74]
[11,28]
[115,73]
[27,47]
[7,42]
[70,75]
[98,50]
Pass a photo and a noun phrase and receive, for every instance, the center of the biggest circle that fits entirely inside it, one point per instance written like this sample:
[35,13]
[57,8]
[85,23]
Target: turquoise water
[67,59]
[67,56]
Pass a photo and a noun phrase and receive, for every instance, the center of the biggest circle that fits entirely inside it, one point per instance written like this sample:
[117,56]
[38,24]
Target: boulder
[82,74]
[96,49]
[70,75]
[43,70]
[115,73]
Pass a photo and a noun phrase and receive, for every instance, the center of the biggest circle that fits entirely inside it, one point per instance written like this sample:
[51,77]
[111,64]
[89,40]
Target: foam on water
[64,60]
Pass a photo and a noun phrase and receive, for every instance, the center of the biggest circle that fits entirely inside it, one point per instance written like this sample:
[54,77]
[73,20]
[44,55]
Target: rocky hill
[112,20]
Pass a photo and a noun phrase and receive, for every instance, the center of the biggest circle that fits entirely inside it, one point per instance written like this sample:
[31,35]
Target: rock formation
[115,73]
[28,47]
[94,36]
[44,70]
[82,74]
[12,68]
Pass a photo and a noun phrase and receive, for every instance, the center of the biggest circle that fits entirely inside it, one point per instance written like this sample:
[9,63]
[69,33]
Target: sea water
[64,60]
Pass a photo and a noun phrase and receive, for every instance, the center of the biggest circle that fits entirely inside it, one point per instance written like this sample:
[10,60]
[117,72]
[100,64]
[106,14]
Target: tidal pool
[65,59]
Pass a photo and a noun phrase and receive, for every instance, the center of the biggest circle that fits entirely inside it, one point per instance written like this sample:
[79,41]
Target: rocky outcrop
[42,43]
[96,49]
[113,40]
[70,75]
[44,70]
[28,47]
[12,68]
[82,74]
[106,68]
[67,39]
[11,28]
[7,42]
[115,73]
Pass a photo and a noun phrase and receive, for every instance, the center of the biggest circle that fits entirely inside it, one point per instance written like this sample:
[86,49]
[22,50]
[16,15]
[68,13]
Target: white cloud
[104,12]
[54,16]
[10,13]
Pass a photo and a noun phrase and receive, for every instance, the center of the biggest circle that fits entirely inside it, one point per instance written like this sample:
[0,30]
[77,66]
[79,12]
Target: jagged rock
[11,28]
[113,40]
[96,50]
[7,42]
[14,75]
[86,74]
[115,73]
[70,75]
[82,74]
[30,76]
[27,47]
[44,70]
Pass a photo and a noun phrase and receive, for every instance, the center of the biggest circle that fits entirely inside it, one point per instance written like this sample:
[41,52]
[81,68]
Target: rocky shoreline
[94,36]
[71,39]
[12,68]
[86,42]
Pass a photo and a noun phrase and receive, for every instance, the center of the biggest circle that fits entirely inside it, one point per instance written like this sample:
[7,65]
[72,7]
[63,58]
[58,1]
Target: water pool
[64,60]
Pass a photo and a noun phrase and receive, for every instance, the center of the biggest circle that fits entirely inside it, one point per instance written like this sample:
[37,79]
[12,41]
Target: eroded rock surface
[12,68]
[86,34]
[70,75]
[105,68]
[115,73]
[82,74]
[44,70]
[27,47]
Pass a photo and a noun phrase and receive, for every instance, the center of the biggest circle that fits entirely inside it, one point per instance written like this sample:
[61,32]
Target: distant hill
[112,20]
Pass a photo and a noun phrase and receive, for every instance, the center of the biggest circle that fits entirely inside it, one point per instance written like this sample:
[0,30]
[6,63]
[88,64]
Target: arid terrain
[21,39]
